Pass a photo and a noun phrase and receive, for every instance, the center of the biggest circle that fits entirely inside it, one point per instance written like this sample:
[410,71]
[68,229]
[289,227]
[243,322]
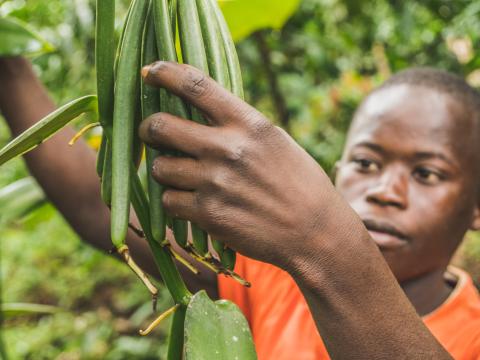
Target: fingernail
[145,71]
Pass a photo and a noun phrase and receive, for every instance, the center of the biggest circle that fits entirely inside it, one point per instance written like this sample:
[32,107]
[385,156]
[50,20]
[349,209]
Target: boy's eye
[427,176]
[366,165]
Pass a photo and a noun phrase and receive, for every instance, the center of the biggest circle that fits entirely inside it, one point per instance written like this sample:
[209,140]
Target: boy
[250,185]
[410,179]
[415,186]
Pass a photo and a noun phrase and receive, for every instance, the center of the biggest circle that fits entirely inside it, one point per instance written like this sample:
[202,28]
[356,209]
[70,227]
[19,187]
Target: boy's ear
[476,218]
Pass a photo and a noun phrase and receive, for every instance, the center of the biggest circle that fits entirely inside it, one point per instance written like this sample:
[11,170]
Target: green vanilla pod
[151,105]
[126,90]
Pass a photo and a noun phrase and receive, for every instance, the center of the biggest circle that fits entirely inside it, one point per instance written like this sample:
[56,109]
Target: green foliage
[48,264]
[11,310]
[69,25]
[246,16]
[18,199]
[324,60]
[216,331]
[331,53]
[17,39]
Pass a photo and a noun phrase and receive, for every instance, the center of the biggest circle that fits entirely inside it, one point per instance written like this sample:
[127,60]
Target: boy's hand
[246,181]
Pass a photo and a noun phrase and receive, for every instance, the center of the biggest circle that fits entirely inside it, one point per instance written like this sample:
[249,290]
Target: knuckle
[235,151]
[260,127]
[213,212]
[158,168]
[210,206]
[155,126]
[255,122]
[167,201]
[219,180]
[281,131]
[196,83]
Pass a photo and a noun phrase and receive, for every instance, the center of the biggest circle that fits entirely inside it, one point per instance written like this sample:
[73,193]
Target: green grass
[103,303]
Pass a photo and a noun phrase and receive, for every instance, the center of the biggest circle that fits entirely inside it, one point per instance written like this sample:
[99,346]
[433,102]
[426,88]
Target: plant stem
[175,344]
[82,132]
[125,253]
[158,320]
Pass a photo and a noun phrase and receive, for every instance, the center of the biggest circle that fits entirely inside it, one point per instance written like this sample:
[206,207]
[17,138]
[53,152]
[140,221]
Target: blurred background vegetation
[309,76]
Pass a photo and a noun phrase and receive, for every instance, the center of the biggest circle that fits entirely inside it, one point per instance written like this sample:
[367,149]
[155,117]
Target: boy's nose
[390,190]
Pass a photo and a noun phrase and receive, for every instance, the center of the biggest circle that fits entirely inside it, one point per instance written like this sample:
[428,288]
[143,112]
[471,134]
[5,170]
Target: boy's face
[409,170]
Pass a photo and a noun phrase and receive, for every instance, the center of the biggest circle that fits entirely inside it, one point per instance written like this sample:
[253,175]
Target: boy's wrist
[337,248]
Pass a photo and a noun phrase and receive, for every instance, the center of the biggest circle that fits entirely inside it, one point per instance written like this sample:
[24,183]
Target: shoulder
[471,335]
[465,293]
[456,323]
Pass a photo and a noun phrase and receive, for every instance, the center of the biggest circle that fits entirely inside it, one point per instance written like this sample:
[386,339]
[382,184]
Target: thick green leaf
[18,198]
[246,16]
[17,39]
[216,330]
[18,309]
[47,126]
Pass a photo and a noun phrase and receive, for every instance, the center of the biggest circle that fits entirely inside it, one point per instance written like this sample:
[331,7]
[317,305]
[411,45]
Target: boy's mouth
[385,235]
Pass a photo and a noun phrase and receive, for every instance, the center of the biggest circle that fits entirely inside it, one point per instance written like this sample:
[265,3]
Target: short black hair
[441,81]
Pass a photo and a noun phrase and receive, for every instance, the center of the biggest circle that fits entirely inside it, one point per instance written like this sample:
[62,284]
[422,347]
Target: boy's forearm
[358,306]
[23,100]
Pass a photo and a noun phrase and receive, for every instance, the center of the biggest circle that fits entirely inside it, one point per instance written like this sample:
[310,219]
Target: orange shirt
[283,328]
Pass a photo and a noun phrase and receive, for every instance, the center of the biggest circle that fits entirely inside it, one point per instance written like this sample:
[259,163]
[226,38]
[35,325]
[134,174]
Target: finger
[164,130]
[180,204]
[180,173]
[220,105]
